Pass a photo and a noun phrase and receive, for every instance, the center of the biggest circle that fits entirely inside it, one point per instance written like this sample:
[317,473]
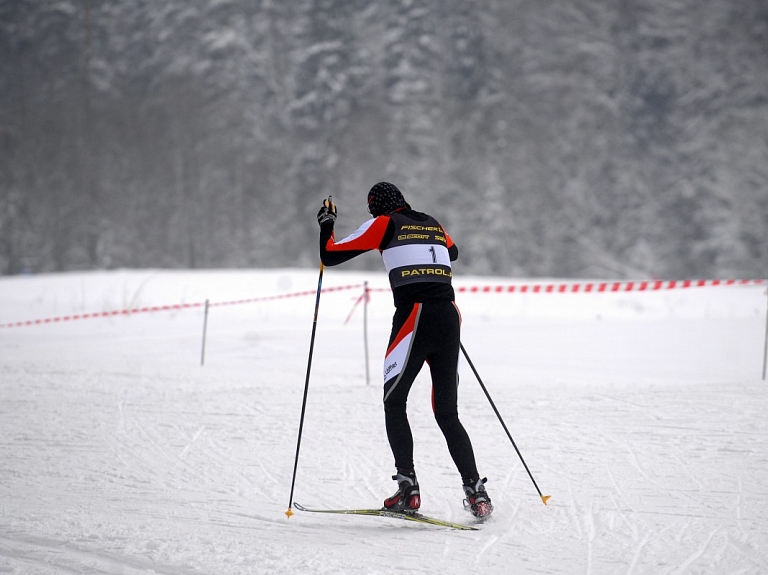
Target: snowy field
[643,415]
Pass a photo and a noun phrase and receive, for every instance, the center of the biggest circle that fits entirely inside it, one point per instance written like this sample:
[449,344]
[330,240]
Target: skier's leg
[443,365]
[401,366]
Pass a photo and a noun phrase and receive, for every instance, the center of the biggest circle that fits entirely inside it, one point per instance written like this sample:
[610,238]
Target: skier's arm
[367,237]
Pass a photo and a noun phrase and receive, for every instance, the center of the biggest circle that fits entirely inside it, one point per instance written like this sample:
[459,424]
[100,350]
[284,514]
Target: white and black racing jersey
[416,250]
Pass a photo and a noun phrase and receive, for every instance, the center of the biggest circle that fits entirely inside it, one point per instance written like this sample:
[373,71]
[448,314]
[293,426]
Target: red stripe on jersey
[406,329]
[448,240]
[367,237]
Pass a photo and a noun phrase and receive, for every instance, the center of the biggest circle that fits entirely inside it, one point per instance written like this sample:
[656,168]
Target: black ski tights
[435,339]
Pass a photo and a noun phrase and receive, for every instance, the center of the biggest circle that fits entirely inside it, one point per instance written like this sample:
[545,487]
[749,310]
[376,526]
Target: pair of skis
[404,515]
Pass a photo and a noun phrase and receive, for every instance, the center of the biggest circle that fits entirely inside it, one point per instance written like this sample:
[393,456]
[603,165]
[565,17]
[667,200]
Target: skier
[417,254]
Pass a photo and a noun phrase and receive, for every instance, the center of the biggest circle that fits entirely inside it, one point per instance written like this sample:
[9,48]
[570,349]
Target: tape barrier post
[205,330]
[365,333]
[765,347]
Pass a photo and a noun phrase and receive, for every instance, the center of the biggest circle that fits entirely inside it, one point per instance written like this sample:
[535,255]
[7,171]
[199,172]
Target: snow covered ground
[642,414]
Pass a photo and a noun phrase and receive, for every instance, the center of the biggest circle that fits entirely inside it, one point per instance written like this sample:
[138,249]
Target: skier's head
[385,198]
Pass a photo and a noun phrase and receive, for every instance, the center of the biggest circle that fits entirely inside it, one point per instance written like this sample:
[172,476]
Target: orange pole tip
[545,498]
[289,513]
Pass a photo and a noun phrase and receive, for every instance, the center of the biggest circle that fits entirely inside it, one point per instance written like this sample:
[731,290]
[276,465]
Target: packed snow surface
[643,415]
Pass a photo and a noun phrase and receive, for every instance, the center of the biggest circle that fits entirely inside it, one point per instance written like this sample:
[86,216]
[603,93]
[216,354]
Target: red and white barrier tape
[603,287]
[182,306]
[598,287]
[284,296]
[536,288]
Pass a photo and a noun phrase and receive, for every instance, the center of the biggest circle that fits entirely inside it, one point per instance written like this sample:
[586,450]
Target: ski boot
[407,496]
[477,500]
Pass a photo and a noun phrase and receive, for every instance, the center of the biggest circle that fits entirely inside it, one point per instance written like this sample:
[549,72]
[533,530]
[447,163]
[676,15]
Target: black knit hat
[385,198]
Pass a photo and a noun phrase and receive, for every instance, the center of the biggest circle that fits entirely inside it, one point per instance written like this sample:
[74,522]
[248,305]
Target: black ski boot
[407,496]
[477,500]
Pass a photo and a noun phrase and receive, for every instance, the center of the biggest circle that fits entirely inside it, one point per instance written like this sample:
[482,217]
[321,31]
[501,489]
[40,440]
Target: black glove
[327,213]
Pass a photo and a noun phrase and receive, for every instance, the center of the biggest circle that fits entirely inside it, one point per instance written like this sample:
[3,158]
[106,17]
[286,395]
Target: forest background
[589,138]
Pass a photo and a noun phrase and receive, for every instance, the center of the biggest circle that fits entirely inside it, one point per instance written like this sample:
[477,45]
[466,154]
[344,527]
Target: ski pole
[544,498]
[289,513]
[205,331]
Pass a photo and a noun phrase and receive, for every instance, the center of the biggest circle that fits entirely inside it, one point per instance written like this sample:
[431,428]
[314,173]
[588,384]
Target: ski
[405,515]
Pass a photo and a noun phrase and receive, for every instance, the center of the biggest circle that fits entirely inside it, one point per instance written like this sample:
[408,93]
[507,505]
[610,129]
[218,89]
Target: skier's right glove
[327,214]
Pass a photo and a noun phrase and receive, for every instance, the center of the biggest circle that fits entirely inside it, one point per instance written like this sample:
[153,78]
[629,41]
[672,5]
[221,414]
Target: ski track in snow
[642,414]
